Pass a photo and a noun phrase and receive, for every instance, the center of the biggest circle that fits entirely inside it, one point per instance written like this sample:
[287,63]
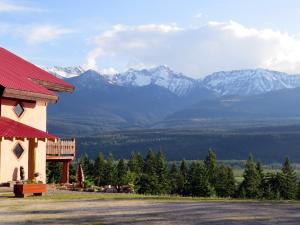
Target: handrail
[61,148]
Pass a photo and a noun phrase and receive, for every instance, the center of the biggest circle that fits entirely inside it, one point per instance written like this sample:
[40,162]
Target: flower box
[23,190]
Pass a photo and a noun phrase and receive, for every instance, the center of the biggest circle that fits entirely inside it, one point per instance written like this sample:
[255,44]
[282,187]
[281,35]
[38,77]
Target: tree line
[154,175]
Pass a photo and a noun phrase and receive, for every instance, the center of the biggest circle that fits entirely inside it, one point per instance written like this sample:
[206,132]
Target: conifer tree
[109,171]
[121,172]
[162,173]
[184,171]
[288,181]
[53,172]
[148,182]
[198,181]
[225,183]
[211,166]
[99,169]
[136,163]
[270,186]
[176,180]
[252,182]
[298,193]
[87,166]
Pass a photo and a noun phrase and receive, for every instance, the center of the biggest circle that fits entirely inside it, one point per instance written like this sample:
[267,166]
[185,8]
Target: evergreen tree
[109,171]
[122,173]
[184,171]
[176,180]
[288,181]
[225,182]
[211,166]
[135,170]
[270,186]
[298,194]
[162,173]
[252,181]
[148,182]
[136,163]
[53,172]
[198,181]
[99,169]
[87,166]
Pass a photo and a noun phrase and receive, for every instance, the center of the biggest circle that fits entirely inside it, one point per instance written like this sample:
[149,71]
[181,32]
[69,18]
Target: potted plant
[29,187]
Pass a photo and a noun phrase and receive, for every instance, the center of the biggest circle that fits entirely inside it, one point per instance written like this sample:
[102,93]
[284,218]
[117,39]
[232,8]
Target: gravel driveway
[90,211]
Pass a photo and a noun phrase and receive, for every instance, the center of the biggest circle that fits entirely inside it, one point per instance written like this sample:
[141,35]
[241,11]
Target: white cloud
[6,6]
[196,51]
[42,33]
[109,71]
[198,15]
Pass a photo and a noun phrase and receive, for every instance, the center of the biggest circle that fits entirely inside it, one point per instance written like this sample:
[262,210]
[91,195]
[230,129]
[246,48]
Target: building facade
[26,90]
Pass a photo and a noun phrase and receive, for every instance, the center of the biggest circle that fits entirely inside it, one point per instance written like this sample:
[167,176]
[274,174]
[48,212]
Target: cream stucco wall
[10,164]
[34,116]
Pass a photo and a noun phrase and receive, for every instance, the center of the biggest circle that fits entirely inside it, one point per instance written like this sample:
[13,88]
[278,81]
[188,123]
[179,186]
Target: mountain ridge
[236,82]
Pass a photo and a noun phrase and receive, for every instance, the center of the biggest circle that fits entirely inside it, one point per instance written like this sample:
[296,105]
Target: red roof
[19,74]
[10,129]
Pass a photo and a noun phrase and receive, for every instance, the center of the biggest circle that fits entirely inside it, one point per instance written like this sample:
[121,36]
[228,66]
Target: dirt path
[84,211]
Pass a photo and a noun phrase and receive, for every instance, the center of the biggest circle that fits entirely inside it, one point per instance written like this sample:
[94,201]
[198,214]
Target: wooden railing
[61,149]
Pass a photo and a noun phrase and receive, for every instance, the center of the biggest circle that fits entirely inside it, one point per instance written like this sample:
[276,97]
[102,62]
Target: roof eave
[26,95]
[54,86]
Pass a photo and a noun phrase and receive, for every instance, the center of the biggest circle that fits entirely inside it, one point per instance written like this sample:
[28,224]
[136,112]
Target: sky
[194,37]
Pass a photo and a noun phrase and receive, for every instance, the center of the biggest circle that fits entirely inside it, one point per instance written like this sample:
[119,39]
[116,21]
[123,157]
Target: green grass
[163,198]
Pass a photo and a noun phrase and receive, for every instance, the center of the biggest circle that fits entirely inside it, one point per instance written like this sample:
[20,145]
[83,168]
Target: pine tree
[288,181]
[270,186]
[198,181]
[136,163]
[121,173]
[87,166]
[176,180]
[109,171]
[53,172]
[162,173]
[99,169]
[148,182]
[252,182]
[211,166]
[298,194]
[225,182]
[184,171]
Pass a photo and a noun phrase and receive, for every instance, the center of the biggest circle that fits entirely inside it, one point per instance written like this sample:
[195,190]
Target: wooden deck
[61,150]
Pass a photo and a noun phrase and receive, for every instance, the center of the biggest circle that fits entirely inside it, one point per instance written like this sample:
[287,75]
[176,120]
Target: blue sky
[193,37]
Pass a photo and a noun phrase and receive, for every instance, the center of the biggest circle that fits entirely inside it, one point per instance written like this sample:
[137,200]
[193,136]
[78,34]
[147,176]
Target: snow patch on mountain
[161,76]
[65,72]
[249,82]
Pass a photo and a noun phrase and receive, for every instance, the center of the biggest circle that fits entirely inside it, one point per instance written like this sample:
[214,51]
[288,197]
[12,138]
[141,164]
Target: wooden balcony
[61,150]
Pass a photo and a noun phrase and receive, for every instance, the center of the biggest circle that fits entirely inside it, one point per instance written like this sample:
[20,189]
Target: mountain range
[161,98]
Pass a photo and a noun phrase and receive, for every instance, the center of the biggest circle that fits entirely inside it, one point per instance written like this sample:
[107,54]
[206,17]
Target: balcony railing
[61,149]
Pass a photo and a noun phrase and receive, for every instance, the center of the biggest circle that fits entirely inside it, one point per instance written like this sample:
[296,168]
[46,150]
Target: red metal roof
[10,128]
[16,73]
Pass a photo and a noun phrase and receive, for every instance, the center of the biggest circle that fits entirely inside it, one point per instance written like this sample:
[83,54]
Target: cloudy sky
[192,37]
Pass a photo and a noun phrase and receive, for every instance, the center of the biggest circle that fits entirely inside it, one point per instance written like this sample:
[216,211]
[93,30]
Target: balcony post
[65,172]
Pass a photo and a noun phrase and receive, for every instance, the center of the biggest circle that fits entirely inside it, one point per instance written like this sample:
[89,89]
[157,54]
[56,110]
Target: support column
[65,172]
[32,161]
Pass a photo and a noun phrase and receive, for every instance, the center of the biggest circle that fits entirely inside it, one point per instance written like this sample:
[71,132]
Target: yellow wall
[34,116]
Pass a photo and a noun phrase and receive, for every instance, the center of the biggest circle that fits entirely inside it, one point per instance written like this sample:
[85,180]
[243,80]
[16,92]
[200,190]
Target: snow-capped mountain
[161,76]
[249,82]
[236,82]
[65,72]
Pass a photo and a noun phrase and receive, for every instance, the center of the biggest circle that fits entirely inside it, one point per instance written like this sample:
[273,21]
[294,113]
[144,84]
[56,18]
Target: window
[18,151]
[19,109]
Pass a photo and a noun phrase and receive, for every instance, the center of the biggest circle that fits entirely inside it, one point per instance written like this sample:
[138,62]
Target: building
[25,91]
